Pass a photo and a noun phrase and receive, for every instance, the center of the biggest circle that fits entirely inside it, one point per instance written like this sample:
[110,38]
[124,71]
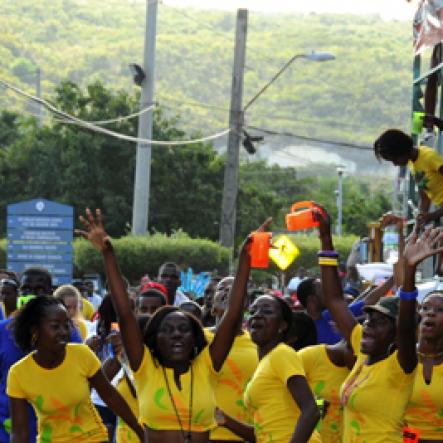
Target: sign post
[40,233]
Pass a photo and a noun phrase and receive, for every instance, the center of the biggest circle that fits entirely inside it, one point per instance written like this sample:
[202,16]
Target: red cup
[301,216]
[261,242]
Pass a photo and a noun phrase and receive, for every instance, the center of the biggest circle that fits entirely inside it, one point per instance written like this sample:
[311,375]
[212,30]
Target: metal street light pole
[313,56]
[140,206]
[340,171]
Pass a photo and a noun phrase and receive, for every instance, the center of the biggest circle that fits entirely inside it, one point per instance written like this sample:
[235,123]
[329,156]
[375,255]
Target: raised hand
[322,217]
[246,246]
[419,248]
[94,230]
[391,219]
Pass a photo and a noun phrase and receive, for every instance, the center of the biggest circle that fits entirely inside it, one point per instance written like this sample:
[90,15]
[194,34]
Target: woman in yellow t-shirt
[172,356]
[423,414]
[375,394]
[278,396]
[237,369]
[55,377]
[71,298]
[326,367]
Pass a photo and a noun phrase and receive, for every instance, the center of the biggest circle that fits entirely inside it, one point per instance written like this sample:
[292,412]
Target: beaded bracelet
[322,261]
[327,254]
[404,295]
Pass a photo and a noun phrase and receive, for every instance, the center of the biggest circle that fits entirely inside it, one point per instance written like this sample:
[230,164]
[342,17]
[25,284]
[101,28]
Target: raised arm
[415,252]
[227,328]
[332,290]
[95,233]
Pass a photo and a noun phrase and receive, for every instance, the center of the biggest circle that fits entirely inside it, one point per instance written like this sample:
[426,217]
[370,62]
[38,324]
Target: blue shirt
[10,353]
[325,332]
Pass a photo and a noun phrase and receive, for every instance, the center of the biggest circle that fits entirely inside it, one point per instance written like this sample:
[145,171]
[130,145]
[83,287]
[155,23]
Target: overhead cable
[99,129]
[314,139]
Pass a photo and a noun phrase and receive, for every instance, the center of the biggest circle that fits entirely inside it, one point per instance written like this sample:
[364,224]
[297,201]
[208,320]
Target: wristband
[327,261]
[327,254]
[404,295]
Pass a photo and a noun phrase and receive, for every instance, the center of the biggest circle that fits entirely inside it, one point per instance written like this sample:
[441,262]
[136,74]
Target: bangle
[327,254]
[322,261]
[404,295]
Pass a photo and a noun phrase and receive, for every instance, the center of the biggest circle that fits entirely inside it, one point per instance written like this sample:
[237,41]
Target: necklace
[187,438]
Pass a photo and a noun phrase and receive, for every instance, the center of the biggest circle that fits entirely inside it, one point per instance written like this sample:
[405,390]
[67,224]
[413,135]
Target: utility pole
[340,171]
[38,93]
[140,208]
[230,184]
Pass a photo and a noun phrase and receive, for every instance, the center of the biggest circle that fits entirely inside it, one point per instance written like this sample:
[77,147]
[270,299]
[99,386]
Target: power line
[314,139]
[76,121]
[115,120]
[311,121]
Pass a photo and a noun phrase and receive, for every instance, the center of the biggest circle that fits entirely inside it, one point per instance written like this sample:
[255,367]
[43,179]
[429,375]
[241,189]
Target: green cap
[386,305]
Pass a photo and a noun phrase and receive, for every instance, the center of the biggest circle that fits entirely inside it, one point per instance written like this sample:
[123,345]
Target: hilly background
[365,90]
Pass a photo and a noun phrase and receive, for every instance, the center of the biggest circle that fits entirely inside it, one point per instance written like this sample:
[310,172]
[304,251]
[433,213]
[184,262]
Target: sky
[388,9]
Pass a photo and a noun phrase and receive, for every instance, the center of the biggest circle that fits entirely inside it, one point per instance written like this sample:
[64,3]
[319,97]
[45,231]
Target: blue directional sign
[40,234]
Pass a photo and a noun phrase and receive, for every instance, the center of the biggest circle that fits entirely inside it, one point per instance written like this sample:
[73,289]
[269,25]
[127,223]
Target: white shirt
[180,298]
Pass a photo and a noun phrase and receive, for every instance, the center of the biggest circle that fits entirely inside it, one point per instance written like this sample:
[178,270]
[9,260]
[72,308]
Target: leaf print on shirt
[421,180]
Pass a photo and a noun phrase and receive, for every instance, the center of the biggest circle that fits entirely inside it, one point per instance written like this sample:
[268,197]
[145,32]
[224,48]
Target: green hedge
[141,255]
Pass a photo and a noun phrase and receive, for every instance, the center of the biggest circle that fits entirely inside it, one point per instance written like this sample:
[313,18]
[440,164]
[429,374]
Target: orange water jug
[261,241]
[301,216]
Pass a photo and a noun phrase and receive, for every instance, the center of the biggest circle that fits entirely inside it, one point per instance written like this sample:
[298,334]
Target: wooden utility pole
[230,185]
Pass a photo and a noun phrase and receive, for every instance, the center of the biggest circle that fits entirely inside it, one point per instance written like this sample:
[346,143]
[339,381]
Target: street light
[340,171]
[312,56]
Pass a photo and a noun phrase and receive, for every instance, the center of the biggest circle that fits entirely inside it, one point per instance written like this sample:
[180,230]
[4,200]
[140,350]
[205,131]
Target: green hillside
[365,89]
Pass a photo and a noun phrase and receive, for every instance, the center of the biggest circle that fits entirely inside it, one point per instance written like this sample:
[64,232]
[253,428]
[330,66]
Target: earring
[195,351]
[34,339]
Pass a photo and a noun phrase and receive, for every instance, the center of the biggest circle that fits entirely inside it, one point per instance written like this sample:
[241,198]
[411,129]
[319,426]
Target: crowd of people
[327,361]
[150,364]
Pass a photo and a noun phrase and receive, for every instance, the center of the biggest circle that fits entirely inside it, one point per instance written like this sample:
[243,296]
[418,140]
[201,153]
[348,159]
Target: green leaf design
[46,436]
[76,429]
[39,403]
[319,387]
[158,398]
[197,416]
[356,425]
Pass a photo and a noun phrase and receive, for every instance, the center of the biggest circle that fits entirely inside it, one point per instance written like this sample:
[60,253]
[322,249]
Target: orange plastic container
[261,242]
[301,216]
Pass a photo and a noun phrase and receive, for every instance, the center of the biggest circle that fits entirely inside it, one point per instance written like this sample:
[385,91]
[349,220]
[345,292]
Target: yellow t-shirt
[156,408]
[83,329]
[87,309]
[325,380]
[232,380]
[60,396]
[268,399]
[425,408]
[123,433]
[374,398]
[426,174]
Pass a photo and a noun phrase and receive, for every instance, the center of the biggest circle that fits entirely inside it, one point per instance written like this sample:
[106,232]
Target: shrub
[143,255]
